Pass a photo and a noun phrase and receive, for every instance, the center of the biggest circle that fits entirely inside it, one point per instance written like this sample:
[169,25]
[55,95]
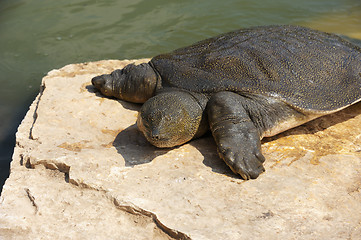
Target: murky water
[37,36]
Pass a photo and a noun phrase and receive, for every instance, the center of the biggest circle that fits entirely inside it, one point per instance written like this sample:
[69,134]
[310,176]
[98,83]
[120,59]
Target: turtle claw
[245,162]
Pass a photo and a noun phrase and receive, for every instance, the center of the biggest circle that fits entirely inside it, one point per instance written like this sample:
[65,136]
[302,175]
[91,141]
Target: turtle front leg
[237,138]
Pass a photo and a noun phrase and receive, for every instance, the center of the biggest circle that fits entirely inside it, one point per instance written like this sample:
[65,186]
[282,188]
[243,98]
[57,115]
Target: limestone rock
[81,170]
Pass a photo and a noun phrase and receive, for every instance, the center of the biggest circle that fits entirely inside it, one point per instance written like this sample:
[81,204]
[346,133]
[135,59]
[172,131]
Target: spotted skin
[243,86]
[288,62]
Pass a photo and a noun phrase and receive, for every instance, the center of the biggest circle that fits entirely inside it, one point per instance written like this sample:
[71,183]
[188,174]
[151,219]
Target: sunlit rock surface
[81,170]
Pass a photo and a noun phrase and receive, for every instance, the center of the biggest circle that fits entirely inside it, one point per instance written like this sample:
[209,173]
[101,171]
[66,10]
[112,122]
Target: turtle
[242,86]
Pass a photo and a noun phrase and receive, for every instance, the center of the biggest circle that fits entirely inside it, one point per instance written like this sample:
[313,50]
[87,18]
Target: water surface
[37,36]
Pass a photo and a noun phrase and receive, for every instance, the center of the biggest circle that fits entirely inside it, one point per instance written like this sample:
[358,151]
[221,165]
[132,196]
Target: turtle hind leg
[236,136]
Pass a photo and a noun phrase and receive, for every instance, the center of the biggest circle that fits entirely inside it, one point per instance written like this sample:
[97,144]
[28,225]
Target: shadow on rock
[126,105]
[208,148]
[134,148]
[92,89]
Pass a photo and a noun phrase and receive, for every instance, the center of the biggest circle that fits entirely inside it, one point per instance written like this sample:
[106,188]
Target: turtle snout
[104,84]
[159,139]
[98,82]
[155,135]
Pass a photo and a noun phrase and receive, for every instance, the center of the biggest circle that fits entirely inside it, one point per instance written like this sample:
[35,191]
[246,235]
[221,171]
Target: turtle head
[171,119]
[133,83]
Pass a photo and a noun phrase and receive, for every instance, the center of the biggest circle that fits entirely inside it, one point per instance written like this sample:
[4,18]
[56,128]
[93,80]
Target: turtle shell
[308,69]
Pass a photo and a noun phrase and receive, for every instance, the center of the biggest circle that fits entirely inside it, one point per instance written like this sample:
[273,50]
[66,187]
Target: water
[37,36]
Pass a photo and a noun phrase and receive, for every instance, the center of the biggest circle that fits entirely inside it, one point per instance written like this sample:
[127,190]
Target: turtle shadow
[126,105]
[130,142]
[208,148]
[91,89]
[134,148]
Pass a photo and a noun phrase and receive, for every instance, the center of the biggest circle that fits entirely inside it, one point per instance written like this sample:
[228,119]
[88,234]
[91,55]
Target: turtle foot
[246,160]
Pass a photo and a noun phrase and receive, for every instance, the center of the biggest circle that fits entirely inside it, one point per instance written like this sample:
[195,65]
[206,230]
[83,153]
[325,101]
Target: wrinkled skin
[242,85]
[132,83]
[164,128]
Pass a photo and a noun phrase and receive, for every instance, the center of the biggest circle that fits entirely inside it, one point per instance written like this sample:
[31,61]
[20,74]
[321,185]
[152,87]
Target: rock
[81,170]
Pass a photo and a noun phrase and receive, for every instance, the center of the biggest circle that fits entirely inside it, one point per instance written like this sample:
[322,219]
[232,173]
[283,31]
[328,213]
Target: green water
[37,36]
